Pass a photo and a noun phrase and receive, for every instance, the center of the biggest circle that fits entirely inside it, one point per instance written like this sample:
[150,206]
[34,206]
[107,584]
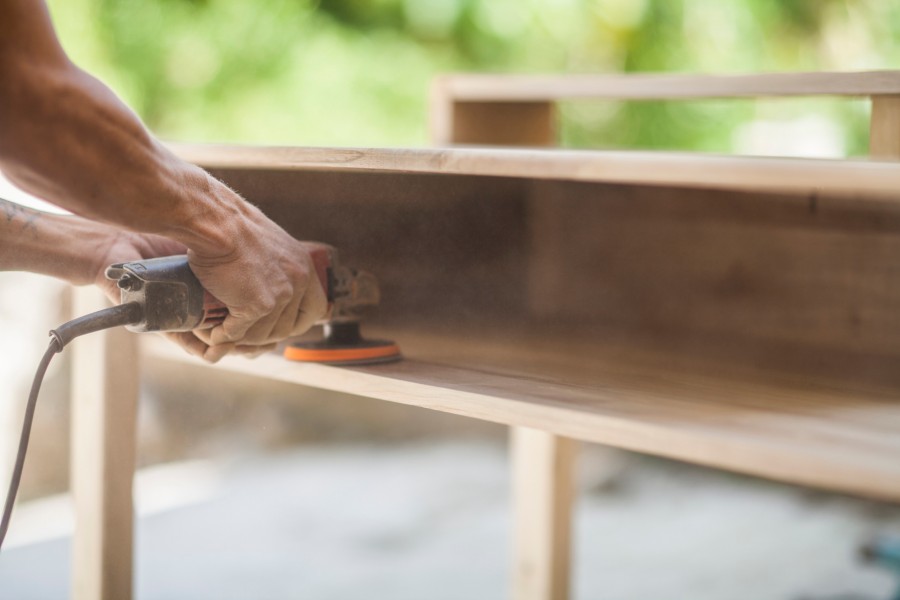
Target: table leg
[543,493]
[104,415]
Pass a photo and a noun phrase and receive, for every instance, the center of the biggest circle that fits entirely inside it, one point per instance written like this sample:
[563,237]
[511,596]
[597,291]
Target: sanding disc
[344,346]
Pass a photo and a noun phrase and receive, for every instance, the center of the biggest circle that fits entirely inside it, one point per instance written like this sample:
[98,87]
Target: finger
[275,327]
[255,351]
[216,352]
[261,332]
[189,342]
[312,308]
[232,329]
[203,335]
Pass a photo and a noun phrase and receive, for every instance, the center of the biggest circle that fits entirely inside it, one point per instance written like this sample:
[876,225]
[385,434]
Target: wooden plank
[773,275]
[788,175]
[496,124]
[810,433]
[635,86]
[543,494]
[104,413]
[884,128]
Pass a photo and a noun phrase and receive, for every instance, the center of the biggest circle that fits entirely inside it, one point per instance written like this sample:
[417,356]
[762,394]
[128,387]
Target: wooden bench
[734,312]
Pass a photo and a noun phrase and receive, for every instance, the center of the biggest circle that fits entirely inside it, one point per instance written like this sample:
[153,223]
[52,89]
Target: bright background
[273,491]
[356,72]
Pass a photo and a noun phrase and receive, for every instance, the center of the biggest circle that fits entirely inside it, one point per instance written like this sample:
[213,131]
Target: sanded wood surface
[793,175]
[636,86]
[812,433]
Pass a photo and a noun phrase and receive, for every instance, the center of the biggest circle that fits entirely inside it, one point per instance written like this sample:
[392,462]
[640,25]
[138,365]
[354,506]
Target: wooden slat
[636,86]
[104,414]
[543,494]
[790,175]
[494,123]
[839,438]
[884,128]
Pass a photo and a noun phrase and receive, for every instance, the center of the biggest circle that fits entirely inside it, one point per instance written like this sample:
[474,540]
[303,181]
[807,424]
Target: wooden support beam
[884,128]
[104,413]
[543,492]
[489,123]
[504,123]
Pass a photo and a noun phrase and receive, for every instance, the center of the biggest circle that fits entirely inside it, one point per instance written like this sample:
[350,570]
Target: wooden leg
[104,414]
[884,128]
[543,493]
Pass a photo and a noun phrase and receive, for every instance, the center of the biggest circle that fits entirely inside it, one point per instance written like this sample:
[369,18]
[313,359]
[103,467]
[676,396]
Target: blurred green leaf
[356,72]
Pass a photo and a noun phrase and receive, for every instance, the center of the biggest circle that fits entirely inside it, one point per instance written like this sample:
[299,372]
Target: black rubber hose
[123,314]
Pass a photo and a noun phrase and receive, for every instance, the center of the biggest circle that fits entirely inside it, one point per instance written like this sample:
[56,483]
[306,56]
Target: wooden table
[740,313]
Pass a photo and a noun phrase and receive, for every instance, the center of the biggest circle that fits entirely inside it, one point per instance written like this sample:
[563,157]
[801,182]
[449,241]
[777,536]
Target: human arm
[78,250]
[65,137]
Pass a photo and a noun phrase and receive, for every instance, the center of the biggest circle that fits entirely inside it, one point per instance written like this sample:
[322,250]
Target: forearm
[65,137]
[75,144]
[66,247]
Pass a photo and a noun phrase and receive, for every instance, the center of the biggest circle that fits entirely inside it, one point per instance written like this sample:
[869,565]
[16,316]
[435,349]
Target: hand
[261,273]
[126,246]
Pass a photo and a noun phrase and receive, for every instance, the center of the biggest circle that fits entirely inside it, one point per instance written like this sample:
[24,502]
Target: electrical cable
[114,316]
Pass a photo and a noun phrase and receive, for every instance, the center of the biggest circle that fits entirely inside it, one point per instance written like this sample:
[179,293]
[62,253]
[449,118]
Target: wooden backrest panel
[823,272]
[494,102]
[790,283]
[442,247]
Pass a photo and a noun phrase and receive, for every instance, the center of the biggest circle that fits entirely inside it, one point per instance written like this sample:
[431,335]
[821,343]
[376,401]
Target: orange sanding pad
[343,345]
[369,353]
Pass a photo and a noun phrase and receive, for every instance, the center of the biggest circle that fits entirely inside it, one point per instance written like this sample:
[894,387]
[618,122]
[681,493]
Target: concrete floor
[416,521]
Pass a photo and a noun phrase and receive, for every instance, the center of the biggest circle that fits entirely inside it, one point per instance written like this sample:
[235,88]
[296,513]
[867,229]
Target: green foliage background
[356,72]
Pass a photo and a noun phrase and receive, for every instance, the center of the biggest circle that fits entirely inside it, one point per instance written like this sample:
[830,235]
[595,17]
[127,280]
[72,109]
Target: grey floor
[419,521]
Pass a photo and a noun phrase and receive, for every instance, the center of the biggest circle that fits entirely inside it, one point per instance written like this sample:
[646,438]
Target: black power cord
[123,314]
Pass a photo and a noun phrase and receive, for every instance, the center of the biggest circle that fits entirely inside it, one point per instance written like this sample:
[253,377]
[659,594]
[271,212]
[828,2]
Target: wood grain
[817,434]
[789,175]
[884,128]
[789,283]
[493,123]
[730,327]
[104,415]
[543,495]
[636,86]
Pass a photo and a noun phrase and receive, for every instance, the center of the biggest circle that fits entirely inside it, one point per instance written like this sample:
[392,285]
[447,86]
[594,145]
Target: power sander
[163,294]
[172,299]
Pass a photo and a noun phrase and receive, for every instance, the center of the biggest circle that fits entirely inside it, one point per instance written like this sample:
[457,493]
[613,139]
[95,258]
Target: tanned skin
[65,137]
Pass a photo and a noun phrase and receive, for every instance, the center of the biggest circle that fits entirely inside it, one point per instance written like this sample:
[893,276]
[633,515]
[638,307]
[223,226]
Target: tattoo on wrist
[16,213]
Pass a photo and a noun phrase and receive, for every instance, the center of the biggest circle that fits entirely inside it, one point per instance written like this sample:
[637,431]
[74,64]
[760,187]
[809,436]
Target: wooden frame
[804,391]
[505,97]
